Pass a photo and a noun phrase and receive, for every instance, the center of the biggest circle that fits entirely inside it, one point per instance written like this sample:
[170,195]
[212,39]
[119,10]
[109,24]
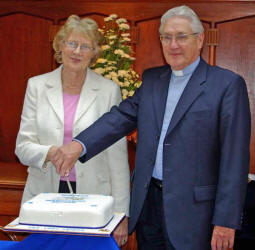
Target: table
[63,242]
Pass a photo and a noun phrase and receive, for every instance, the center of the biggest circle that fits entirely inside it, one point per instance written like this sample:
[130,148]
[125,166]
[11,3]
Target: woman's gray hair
[184,12]
[87,26]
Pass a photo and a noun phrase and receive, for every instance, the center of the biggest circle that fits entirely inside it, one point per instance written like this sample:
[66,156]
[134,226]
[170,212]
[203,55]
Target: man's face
[180,46]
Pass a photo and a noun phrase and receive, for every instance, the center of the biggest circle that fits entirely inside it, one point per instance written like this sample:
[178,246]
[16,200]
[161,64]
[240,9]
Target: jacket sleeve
[28,148]
[234,162]
[111,127]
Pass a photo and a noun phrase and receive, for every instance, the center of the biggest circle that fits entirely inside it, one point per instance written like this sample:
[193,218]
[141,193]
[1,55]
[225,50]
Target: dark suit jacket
[248,223]
[205,152]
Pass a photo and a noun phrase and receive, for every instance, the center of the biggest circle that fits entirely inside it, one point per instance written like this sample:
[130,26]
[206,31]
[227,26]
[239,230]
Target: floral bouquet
[116,60]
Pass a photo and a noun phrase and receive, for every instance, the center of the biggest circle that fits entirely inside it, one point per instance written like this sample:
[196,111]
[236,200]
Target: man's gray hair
[184,12]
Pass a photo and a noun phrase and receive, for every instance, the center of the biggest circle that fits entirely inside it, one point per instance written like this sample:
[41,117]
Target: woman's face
[77,51]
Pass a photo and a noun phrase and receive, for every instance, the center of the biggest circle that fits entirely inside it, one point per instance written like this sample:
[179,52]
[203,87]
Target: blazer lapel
[55,93]
[193,89]
[160,91]
[88,95]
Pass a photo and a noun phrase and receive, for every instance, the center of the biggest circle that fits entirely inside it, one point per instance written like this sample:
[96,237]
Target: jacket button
[44,167]
[157,137]
[146,185]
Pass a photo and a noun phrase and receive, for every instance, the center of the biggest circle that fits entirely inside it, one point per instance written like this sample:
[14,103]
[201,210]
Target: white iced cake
[67,210]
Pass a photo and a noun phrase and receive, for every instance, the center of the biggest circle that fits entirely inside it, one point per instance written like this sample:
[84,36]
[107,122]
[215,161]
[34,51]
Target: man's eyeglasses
[179,38]
[72,45]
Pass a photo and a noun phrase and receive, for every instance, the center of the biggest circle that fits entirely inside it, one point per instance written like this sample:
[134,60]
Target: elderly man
[192,159]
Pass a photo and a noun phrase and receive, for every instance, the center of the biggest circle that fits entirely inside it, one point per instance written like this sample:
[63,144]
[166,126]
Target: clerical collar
[178,72]
[188,70]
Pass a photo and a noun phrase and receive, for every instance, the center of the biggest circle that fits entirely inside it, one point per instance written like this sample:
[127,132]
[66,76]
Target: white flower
[122,73]
[101,31]
[138,84]
[131,92]
[113,74]
[99,70]
[108,76]
[107,19]
[125,34]
[124,92]
[105,47]
[126,39]
[115,79]
[112,37]
[121,84]
[132,72]
[121,20]
[124,26]
[110,18]
[101,60]
[110,68]
[117,47]
[125,55]
[113,16]
[126,84]
[118,52]
[112,62]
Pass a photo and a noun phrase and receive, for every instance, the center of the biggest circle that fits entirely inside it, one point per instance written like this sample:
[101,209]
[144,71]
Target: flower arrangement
[116,60]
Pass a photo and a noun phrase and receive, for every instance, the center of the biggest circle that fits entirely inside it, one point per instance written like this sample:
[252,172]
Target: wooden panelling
[26,53]
[148,50]
[236,52]
[9,200]
[12,181]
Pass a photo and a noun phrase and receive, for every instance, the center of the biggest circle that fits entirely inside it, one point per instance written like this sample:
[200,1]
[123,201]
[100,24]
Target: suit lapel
[88,95]
[160,91]
[55,93]
[193,89]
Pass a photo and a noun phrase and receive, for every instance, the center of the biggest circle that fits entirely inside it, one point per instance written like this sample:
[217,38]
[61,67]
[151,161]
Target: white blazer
[42,125]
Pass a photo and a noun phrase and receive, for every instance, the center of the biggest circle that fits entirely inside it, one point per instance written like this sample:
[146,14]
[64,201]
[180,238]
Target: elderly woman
[60,104]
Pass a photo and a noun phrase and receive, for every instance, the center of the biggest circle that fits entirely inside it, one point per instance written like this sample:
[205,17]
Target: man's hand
[121,233]
[222,238]
[66,156]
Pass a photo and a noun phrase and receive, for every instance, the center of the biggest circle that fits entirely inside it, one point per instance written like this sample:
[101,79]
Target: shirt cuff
[252,177]
[84,151]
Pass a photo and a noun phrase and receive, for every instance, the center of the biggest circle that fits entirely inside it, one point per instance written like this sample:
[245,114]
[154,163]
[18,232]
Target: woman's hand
[51,153]
[121,233]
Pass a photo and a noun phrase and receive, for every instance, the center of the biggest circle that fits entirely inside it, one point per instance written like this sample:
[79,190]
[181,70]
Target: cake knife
[69,185]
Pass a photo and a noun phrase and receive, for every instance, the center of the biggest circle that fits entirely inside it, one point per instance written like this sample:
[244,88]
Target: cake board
[106,231]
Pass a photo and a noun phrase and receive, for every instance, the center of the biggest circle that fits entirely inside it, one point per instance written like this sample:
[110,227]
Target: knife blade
[69,185]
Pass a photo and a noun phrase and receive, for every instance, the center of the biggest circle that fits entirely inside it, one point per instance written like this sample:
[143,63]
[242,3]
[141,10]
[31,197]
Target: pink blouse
[70,106]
